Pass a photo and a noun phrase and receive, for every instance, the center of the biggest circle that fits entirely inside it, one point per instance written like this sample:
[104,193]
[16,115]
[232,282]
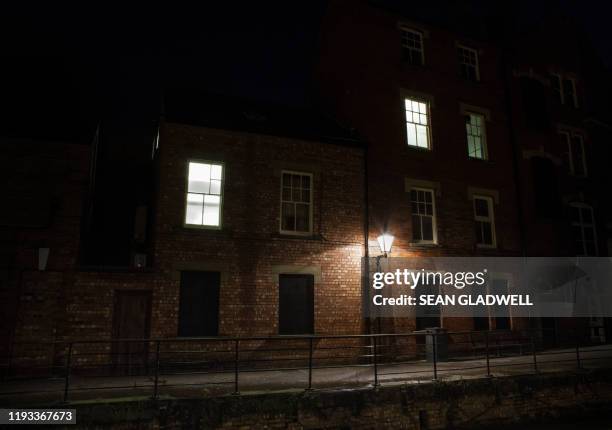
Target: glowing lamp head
[385,241]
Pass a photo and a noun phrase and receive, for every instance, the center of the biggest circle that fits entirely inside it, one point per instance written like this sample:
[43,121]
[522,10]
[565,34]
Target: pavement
[99,388]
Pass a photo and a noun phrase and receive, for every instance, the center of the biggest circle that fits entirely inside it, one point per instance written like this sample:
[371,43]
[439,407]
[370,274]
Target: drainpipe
[366,234]
[516,152]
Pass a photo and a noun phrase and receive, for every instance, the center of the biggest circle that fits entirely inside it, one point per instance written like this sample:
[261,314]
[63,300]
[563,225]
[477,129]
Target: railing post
[375,362]
[236,362]
[487,351]
[578,351]
[156,383]
[435,354]
[533,349]
[67,373]
[310,353]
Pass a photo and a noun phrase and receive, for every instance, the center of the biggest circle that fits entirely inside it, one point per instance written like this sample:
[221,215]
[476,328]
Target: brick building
[431,105]
[478,141]
[44,185]
[260,215]
[256,230]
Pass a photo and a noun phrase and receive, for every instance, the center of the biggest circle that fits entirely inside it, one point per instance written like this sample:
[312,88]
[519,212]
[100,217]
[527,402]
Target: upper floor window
[475,130]
[412,46]
[468,63]
[204,194]
[575,156]
[296,203]
[484,222]
[417,123]
[583,228]
[423,210]
[565,89]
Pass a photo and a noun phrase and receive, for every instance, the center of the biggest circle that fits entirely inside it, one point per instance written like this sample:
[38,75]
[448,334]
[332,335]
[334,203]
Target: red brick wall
[249,249]
[361,78]
[44,191]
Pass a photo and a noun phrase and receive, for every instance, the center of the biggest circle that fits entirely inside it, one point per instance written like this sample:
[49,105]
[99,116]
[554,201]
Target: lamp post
[385,241]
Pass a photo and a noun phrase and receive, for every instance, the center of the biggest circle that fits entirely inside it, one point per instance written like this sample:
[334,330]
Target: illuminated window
[296,203]
[475,130]
[484,222]
[204,194]
[423,210]
[417,123]
[583,229]
[412,46]
[468,63]
[575,156]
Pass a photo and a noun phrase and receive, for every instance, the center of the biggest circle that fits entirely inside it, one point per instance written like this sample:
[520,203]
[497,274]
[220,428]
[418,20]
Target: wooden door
[131,320]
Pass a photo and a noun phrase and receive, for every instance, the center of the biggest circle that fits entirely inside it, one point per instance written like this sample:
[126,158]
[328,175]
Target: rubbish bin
[440,337]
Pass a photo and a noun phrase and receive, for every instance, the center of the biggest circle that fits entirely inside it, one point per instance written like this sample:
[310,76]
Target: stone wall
[458,404]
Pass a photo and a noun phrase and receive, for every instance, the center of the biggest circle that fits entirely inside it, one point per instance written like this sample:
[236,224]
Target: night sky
[66,69]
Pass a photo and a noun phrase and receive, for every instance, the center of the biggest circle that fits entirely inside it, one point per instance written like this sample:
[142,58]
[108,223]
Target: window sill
[202,227]
[417,245]
[486,161]
[486,247]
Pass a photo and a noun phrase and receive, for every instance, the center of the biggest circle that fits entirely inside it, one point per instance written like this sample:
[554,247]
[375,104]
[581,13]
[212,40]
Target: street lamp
[385,241]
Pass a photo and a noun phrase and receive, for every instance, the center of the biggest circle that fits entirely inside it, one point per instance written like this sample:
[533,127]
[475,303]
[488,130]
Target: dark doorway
[296,304]
[501,312]
[199,304]
[131,320]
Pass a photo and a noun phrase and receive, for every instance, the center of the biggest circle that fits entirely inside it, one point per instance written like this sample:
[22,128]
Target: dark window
[546,190]
[423,215]
[412,46]
[534,104]
[296,304]
[468,63]
[199,304]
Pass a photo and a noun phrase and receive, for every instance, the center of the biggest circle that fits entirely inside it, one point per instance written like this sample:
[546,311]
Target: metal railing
[154,367]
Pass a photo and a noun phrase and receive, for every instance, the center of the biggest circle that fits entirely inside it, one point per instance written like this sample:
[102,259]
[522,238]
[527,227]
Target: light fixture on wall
[385,241]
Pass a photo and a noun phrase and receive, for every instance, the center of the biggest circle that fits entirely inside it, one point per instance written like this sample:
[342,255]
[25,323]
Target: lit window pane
[199,178]
[411,130]
[215,187]
[212,205]
[194,209]
[417,123]
[216,171]
[422,136]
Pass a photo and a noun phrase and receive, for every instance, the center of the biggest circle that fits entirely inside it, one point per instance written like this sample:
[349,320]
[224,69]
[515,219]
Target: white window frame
[406,29]
[475,52]
[483,135]
[560,79]
[569,136]
[310,205]
[490,219]
[581,224]
[434,223]
[221,194]
[427,124]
